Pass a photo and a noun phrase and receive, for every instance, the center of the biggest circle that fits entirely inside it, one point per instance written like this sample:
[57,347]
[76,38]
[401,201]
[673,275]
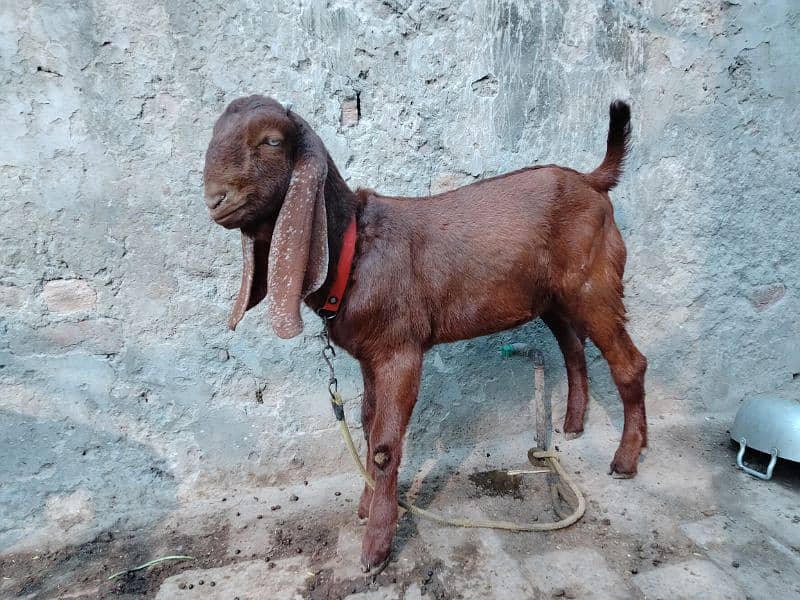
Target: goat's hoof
[374,564]
[376,549]
[572,435]
[377,569]
[623,467]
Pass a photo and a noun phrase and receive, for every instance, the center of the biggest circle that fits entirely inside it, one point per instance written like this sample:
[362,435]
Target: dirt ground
[690,525]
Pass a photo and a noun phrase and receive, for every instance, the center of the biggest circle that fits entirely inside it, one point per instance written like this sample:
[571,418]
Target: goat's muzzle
[225,207]
[214,200]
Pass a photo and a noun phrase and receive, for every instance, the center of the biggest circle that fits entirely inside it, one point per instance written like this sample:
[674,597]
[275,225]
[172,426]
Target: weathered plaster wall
[123,393]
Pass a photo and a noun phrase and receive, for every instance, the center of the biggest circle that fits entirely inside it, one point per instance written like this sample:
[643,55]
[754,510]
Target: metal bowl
[769,424]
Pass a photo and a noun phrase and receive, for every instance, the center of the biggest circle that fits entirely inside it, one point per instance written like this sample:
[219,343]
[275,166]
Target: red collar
[336,292]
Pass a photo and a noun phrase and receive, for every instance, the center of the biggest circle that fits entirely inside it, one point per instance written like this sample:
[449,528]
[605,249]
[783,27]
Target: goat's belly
[471,317]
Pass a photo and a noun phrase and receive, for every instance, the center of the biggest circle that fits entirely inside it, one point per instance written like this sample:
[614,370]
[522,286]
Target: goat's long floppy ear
[255,253]
[298,255]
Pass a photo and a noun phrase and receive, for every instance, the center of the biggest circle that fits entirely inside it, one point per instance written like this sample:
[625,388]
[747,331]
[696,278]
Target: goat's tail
[607,175]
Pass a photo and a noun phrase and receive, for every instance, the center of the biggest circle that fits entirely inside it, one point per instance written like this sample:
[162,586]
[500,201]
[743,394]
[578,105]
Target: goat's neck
[340,206]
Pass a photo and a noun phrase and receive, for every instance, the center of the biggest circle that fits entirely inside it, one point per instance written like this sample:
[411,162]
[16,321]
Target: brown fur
[483,258]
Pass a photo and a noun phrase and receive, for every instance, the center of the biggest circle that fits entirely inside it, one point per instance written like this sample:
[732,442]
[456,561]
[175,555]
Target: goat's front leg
[396,380]
[367,416]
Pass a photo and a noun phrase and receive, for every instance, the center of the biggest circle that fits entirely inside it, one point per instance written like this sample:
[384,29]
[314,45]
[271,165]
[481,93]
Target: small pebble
[224,499]
[299,550]
[735,564]
[260,517]
[237,551]
[212,583]
[182,585]
[201,582]
[238,514]
[271,565]
[337,493]
[190,586]
[305,483]
[275,507]
[294,498]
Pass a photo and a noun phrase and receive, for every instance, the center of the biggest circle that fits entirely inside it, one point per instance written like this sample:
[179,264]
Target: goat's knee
[381,458]
[629,371]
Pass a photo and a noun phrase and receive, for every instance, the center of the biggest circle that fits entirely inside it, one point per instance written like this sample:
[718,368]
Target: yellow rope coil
[564,487]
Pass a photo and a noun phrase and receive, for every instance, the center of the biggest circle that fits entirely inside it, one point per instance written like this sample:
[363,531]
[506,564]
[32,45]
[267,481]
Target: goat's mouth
[225,213]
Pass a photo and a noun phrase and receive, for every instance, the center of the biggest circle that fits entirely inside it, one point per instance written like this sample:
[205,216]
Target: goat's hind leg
[628,365]
[598,309]
[571,344]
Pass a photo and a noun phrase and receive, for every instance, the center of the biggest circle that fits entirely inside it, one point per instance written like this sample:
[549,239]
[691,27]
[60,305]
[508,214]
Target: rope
[563,488]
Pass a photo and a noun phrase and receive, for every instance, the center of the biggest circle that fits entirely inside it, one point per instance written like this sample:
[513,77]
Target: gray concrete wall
[123,393]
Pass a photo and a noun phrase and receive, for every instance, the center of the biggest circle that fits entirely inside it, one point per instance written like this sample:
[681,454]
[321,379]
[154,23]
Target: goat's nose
[214,200]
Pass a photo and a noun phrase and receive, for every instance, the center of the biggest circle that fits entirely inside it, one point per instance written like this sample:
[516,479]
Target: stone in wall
[764,296]
[350,112]
[69,295]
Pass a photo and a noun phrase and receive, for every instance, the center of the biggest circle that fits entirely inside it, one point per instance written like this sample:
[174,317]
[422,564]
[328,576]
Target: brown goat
[486,257]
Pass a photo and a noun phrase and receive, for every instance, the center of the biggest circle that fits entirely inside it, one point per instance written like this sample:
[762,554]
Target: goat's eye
[271,141]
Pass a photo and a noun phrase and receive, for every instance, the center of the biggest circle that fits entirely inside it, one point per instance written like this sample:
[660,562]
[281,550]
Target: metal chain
[328,354]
